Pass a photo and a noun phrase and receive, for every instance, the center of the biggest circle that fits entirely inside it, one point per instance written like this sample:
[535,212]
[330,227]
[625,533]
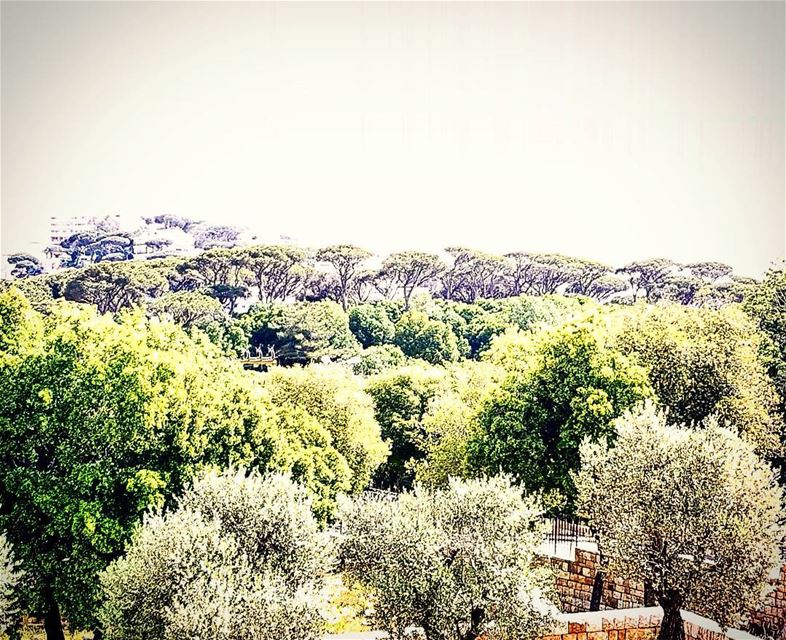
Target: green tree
[418,336]
[766,303]
[409,270]
[569,386]
[458,562]
[114,286]
[693,512]
[401,400]
[277,272]
[100,419]
[346,260]
[301,333]
[188,308]
[375,360]
[240,556]
[449,426]
[648,275]
[193,310]
[335,399]
[371,325]
[703,362]
[24,265]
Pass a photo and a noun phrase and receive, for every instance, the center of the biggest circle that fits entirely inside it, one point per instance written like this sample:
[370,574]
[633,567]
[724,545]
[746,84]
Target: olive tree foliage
[704,362]
[457,562]
[694,512]
[10,575]
[239,556]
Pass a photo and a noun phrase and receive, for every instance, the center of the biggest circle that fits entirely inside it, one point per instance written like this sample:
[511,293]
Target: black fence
[570,532]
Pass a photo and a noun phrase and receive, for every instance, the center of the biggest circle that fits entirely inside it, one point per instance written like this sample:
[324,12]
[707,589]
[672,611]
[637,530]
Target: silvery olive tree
[457,562]
[9,578]
[692,511]
[240,556]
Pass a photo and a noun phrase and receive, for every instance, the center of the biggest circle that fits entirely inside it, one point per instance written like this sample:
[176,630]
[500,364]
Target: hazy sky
[606,130]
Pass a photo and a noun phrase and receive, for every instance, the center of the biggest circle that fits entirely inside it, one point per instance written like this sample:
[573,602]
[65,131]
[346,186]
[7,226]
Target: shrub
[457,562]
[240,556]
[375,360]
[371,325]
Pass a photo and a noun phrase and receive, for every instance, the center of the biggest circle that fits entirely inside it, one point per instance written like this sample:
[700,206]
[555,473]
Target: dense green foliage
[706,362]
[767,305]
[335,399]
[567,386]
[419,336]
[416,373]
[371,325]
[300,333]
[102,418]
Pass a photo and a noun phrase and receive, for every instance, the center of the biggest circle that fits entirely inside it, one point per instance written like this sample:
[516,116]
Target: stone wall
[770,619]
[575,579]
[635,624]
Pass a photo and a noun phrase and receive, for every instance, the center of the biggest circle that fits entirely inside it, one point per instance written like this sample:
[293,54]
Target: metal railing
[570,532]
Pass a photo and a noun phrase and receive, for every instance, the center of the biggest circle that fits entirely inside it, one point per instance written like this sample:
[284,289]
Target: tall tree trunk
[649,595]
[597,592]
[672,627]
[53,625]
[477,617]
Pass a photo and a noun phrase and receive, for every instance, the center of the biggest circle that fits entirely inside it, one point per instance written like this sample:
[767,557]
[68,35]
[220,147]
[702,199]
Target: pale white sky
[607,130]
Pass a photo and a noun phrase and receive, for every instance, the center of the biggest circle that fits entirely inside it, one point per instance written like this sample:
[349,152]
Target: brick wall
[575,579]
[771,616]
[635,624]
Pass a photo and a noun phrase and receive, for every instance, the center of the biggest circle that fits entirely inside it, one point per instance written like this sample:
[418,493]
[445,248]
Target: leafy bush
[418,336]
[371,325]
[458,562]
[375,360]
[241,556]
